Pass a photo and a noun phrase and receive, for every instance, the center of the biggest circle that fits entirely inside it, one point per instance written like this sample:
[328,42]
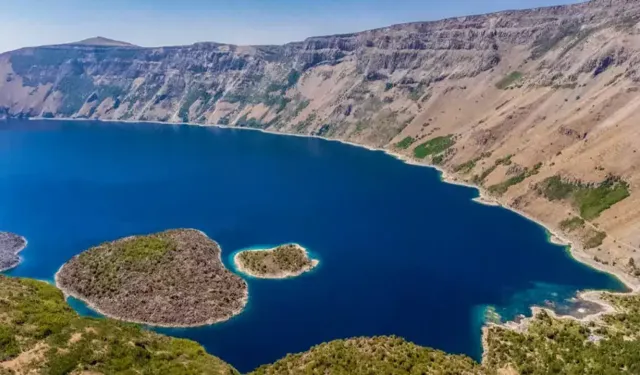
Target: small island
[10,245]
[281,262]
[174,278]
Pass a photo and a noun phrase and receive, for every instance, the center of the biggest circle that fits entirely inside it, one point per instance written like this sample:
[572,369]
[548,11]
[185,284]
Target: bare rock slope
[538,107]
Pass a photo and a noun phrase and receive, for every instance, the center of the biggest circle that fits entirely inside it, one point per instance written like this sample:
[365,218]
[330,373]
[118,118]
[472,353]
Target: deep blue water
[401,252]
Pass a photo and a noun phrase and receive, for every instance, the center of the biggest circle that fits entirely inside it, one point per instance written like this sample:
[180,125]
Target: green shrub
[502,187]
[292,78]
[104,346]
[433,146]
[479,180]
[572,224]
[510,79]
[9,347]
[405,143]
[145,248]
[590,200]
[595,240]
[466,167]
[75,90]
[438,159]
[554,188]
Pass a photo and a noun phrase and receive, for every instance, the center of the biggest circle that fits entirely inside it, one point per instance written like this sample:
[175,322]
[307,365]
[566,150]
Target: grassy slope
[590,200]
[34,316]
[35,319]
[376,355]
[554,346]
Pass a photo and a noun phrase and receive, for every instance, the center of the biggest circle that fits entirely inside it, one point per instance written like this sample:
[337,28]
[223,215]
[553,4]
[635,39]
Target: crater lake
[401,252]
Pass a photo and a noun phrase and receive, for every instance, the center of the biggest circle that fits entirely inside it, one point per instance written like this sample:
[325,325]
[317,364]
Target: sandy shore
[280,275]
[67,293]
[575,250]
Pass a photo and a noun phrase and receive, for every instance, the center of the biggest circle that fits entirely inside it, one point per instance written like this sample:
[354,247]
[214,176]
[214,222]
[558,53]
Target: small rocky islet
[10,245]
[280,262]
[174,278]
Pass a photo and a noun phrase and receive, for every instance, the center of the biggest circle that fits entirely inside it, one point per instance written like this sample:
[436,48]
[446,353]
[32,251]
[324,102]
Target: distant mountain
[103,42]
[540,107]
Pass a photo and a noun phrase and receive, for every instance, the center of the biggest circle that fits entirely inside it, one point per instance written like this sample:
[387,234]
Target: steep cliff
[538,107]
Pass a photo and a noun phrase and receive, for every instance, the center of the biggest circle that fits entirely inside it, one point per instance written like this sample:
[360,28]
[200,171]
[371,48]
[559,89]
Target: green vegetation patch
[502,187]
[75,91]
[405,143]
[594,239]
[145,248]
[243,122]
[567,346]
[569,225]
[465,167]
[468,166]
[479,179]
[508,80]
[194,94]
[292,79]
[433,146]
[368,356]
[505,160]
[438,159]
[36,316]
[590,199]
[550,39]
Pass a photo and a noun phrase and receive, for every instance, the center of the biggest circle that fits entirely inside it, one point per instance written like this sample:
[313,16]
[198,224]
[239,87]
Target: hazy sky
[172,22]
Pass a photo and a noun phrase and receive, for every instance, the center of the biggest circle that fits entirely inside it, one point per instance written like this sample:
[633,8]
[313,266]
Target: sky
[177,22]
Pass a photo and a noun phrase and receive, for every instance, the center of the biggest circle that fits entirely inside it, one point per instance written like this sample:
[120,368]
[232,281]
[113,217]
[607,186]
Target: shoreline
[278,276]
[66,293]
[575,251]
[17,252]
[483,198]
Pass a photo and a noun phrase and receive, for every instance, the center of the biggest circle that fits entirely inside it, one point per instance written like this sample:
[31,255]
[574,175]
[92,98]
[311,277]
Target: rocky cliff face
[522,103]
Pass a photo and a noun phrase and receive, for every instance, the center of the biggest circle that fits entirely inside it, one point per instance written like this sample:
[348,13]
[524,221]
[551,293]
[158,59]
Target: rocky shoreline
[10,246]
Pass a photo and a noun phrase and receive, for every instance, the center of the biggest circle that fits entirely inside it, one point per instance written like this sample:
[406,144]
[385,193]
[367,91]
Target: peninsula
[281,262]
[10,245]
[174,278]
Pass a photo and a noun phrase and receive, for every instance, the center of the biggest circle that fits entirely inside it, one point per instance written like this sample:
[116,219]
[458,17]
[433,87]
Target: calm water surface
[401,252]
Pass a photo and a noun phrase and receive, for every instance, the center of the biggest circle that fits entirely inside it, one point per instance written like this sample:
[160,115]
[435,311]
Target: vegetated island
[280,262]
[174,279]
[10,245]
